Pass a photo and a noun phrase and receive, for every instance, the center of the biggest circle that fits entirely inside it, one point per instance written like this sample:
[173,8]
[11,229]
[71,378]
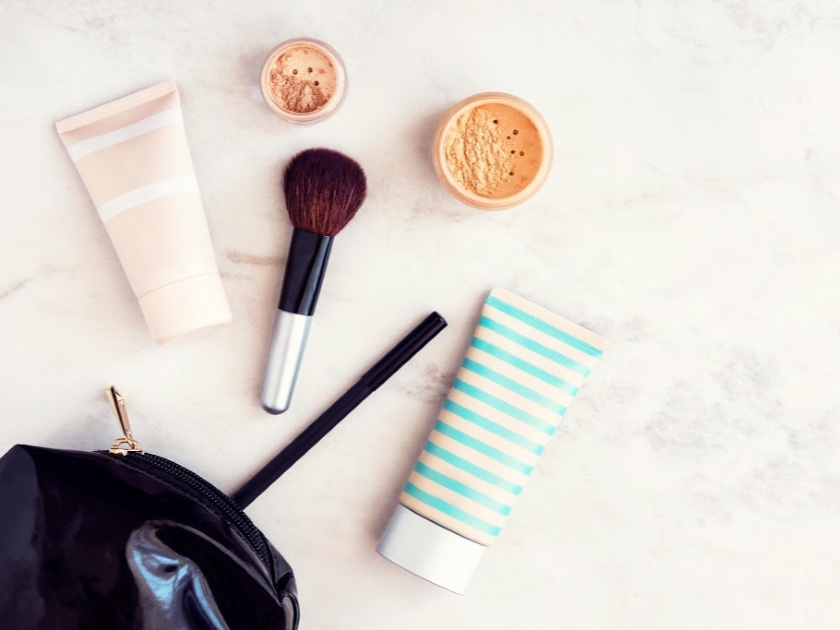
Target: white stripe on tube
[91,145]
[144,194]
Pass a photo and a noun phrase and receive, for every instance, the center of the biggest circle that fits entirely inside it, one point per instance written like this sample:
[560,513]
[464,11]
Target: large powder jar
[303,80]
[492,151]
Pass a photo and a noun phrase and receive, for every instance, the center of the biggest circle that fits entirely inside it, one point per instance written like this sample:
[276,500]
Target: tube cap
[430,551]
[185,306]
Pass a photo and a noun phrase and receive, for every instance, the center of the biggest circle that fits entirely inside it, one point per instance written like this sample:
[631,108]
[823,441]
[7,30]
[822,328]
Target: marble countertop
[692,218]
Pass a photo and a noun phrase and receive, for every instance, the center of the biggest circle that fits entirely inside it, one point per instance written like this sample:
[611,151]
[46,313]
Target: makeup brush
[323,191]
[381,371]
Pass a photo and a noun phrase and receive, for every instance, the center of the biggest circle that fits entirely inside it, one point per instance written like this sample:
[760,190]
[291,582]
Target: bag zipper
[186,480]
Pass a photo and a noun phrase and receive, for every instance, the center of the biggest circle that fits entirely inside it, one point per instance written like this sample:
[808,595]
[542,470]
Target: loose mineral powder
[493,151]
[303,80]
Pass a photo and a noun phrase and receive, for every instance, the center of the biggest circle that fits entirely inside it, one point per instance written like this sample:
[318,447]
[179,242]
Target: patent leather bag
[126,539]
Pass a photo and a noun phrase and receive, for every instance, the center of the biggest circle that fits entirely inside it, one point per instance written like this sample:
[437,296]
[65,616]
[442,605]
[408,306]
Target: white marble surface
[692,218]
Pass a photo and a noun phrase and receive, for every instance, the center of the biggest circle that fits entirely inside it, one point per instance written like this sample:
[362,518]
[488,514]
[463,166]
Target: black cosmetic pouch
[126,539]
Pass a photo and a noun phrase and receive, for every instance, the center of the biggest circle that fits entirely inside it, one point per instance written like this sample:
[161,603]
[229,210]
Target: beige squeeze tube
[133,157]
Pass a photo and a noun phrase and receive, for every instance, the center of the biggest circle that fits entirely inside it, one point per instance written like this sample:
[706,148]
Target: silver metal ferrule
[287,343]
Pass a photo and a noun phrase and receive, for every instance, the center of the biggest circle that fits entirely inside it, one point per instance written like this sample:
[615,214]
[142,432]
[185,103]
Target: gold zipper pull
[125,444]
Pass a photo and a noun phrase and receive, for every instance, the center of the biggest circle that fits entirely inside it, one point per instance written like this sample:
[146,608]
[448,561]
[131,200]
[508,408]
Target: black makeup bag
[125,539]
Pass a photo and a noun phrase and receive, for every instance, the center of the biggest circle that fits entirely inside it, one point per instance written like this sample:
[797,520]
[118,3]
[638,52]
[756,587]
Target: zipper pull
[125,444]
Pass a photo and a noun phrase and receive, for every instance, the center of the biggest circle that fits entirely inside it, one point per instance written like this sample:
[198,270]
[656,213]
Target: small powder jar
[492,151]
[303,80]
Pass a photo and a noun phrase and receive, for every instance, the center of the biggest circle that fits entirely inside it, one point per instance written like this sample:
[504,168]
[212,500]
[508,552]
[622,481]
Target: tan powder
[302,79]
[493,150]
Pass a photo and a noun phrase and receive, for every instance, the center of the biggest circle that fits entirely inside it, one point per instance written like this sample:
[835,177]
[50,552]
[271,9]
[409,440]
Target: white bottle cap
[430,551]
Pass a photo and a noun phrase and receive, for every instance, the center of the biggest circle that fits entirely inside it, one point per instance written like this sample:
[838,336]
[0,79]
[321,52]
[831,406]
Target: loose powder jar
[493,151]
[303,80]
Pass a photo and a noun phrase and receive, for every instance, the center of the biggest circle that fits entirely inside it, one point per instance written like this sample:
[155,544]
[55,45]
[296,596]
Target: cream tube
[523,368]
[133,157]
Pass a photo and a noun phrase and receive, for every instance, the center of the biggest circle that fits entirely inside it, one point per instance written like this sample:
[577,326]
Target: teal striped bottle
[521,372]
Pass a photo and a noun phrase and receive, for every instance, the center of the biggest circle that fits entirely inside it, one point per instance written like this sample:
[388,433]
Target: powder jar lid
[430,551]
[303,80]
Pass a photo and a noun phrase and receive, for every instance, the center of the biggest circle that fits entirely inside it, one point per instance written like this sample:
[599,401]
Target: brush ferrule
[305,267]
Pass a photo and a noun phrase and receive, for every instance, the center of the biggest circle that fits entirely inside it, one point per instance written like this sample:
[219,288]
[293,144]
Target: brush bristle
[323,189]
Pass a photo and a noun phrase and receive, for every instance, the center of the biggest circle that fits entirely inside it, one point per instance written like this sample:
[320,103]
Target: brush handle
[306,265]
[284,358]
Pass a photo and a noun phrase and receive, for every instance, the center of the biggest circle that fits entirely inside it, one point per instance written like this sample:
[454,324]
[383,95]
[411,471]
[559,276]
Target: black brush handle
[309,254]
[384,369]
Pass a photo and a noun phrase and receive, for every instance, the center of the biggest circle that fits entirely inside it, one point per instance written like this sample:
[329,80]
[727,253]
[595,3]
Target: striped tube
[133,157]
[522,370]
